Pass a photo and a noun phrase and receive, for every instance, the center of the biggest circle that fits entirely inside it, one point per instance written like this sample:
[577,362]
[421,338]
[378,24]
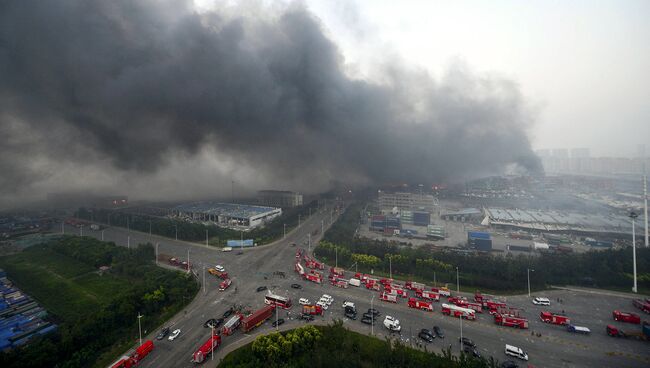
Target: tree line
[610,268]
[153,292]
[336,346]
[195,231]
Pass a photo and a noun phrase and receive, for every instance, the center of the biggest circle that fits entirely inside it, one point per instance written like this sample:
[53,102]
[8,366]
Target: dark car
[227,313]
[369,315]
[471,351]
[425,336]
[261,288]
[509,364]
[467,342]
[439,332]
[373,311]
[351,314]
[164,332]
[307,317]
[278,322]
[367,320]
[428,332]
[210,323]
[296,286]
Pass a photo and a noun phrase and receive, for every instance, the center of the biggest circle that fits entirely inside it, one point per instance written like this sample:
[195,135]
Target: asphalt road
[554,348]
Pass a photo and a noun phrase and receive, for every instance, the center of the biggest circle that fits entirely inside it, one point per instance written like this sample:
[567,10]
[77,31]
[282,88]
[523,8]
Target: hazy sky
[583,66]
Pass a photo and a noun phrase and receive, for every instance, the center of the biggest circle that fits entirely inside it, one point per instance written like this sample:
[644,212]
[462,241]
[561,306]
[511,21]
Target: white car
[541,301]
[323,304]
[329,298]
[392,324]
[219,268]
[348,304]
[303,301]
[174,334]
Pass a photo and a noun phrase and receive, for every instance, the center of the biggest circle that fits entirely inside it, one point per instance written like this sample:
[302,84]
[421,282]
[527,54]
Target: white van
[541,301]
[355,282]
[227,249]
[516,352]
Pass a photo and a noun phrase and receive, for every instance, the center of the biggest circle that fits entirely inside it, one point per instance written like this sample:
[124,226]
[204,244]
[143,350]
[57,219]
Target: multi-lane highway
[553,347]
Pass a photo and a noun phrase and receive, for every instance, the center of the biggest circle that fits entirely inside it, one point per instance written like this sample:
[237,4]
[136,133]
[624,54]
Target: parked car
[306,317]
[174,334]
[541,301]
[509,364]
[303,301]
[210,323]
[471,351]
[164,332]
[439,332]
[467,342]
[227,313]
[350,314]
[219,268]
[368,320]
[296,286]
[278,322]
[329,299]
[261,288]
[373,311]
[425,336]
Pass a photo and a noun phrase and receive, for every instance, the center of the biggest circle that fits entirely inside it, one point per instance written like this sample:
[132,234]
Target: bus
[277,300]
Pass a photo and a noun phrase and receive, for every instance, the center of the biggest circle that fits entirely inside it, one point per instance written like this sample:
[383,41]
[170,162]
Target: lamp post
[298,220]
[633,216]
[322,226]
[81,230]
[206,238]
[372,324]
[157,244]
[457,281]
[176,226]
[102,235]
[528,274]
[284,236]
[149,229]
[212,342]
[140,327]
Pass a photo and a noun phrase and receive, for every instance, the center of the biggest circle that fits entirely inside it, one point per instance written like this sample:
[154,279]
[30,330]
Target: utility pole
[128,241]
[457,281]
[188,261]
[203,279]
[157,244]
[372,325]
[81,230]
[336,254]
[140,327]
[298,220]
[102,235]
[633,216]
[528,274]
[309,243]
[63,227]
[206,238]
[645,204]
[284,236]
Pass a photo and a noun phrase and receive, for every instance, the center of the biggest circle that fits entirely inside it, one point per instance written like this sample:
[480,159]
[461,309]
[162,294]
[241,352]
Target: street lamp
[102,235]
[149,228]
[298,220]
[81,230]
[284,232]
[457,281]
[372,312]
[633,216]
[528,274]
[140,327]
[176,226]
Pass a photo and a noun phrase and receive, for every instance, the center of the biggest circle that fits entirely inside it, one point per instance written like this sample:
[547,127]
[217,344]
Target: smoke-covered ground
[155,100]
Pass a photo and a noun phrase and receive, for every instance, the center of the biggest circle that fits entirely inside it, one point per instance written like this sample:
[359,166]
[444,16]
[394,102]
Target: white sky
[584,66]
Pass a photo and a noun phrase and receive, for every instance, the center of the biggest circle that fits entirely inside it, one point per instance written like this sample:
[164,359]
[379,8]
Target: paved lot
[554,348]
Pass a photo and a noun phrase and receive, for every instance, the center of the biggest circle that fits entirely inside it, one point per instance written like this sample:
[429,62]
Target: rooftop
[227,209]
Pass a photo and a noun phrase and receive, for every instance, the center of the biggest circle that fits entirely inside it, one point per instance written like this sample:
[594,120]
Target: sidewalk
[619,294]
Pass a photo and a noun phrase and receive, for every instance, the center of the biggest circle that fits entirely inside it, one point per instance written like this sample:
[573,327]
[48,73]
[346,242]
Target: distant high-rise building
[406,201]
[560,153]
[279,198]
[580,153]
[640,151]
[543,153]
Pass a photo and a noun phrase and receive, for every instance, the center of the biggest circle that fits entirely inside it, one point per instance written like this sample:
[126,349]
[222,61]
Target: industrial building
[416,202]
[279,198]
[227,214]
[463,215]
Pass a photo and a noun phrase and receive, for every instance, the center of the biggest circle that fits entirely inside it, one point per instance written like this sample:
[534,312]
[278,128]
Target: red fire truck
[225,284]
[388,298]
[298,268]
[554,318]
[342,283]
[208,346]
[644,305]
[458,312]
[626,317]
[373,286]
[128,361]
[412,285]
[444,291]
[419,304]
[232,324]
[427,295]
[510,321]
[314,276]
[312,310]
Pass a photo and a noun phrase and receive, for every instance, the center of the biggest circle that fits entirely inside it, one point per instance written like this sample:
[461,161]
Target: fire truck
[128,361]
[299,269]
[492,306]
[232,324]
[460,301]
[314,276]
[644,305]
[510,320]
[399,292]
[444,291]
[388,298]
[626,317]
[554,318]
[456,311]
[373,286]
[208,346]
[385,281]
[314,264]
[338,271]
[419,304]
[427,295]
[312,310]
[225,284]
[411,285]
[342,283]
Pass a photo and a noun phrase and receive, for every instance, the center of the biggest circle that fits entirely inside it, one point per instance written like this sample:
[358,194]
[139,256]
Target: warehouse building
[417,202]
[279,198]
[227,214]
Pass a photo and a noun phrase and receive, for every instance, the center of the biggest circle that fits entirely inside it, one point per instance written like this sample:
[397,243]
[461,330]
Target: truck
[419,304]
[131,360]
[398,292]
[427,295]
[444,291]
[578,329]
[314,277]
[204,350]
[626,317]
[492,306]
[510,321]
[231,325]
[388,298]
[554,318]
[392,324]
[460,301]
[386,281]
[412,285]
[472,305]
[340,283]
[225,284]
[257,318]
[644,305]
[373,286]
[312,310]
[355,282]
[94,227]
[220,274]
[298,268]
[643,334]
[314,264]
[458,312]
[338,271]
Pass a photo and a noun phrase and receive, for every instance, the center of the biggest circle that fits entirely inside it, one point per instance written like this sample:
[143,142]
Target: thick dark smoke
[131,85]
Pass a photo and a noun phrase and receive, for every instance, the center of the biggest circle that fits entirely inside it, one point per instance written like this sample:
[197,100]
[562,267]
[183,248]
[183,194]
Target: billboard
[238,243]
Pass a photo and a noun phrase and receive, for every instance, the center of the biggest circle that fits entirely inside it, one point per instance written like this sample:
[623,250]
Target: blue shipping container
[478,235]
[238,243]
[421,218]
